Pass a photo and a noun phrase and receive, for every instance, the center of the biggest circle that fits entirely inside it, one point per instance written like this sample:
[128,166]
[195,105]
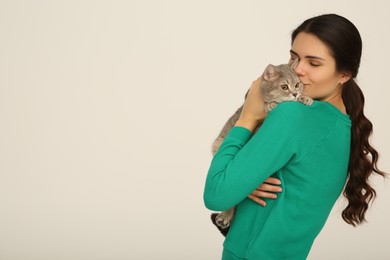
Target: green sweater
[307,148]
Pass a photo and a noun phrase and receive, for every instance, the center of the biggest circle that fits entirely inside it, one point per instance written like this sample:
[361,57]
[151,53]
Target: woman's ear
[345,76]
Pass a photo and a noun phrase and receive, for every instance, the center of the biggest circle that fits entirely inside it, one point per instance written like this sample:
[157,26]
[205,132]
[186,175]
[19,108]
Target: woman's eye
[284,87]
[314,64]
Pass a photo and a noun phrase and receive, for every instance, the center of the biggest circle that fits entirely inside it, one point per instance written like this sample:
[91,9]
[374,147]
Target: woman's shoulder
[290,105]
[299,113]
[289,109]
[287,114]
[317,107]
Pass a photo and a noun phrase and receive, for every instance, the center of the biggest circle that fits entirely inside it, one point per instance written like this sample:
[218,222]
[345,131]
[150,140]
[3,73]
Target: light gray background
[108,110]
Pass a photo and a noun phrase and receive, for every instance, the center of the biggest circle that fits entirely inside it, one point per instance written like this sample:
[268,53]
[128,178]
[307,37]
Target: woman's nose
[299,69]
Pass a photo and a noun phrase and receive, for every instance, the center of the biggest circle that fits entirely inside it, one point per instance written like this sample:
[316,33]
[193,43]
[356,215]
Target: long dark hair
[344,42]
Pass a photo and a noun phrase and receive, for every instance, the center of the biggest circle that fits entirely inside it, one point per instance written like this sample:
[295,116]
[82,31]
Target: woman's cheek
[308,90]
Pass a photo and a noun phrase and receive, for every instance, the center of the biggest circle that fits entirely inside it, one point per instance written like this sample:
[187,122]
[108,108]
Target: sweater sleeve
[244,161]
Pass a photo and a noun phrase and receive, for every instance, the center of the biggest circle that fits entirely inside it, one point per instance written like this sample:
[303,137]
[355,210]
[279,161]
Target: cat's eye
[284,87]
[297,85]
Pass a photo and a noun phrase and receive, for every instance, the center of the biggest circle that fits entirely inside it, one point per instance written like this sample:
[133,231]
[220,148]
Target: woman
[317,151]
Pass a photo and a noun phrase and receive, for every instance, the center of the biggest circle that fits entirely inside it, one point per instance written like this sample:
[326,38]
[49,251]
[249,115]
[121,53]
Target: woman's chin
[308,94]
[312,95]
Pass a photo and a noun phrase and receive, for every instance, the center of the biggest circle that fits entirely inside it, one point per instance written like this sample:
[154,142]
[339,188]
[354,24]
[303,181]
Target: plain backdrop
[108,110]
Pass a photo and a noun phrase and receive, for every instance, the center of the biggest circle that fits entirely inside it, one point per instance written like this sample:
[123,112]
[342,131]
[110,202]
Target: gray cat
[279,83]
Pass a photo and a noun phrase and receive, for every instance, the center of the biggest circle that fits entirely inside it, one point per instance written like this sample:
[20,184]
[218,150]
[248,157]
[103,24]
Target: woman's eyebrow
[307,57]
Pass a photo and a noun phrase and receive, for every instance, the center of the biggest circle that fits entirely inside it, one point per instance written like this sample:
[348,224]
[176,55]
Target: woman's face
[316,67]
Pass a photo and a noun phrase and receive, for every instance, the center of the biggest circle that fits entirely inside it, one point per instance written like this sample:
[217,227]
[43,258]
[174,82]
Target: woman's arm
[253,111]
[242,163]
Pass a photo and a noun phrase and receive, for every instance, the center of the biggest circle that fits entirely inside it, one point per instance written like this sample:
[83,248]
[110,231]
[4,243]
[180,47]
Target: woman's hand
[252,112]
[266,190]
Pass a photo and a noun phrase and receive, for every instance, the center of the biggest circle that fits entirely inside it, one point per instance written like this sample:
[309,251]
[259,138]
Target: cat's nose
[295,94]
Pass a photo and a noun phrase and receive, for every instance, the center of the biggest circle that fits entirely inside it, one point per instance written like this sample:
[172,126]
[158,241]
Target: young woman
[317,151]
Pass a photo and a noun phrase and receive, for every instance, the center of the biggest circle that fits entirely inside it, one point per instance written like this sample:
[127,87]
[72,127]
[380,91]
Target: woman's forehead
[309,45]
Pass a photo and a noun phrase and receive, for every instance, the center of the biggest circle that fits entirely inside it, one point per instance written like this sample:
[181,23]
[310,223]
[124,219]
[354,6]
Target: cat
[279,83]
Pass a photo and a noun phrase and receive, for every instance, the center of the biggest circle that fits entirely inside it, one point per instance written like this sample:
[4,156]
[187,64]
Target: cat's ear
[270,73]
[293,63]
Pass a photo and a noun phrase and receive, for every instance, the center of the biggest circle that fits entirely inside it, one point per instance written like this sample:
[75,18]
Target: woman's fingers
[269,187]
[255,196]
[264,194]
[257,199]
[272,180]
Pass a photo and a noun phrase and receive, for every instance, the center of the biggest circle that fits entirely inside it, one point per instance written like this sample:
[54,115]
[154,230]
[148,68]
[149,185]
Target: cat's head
[280,83]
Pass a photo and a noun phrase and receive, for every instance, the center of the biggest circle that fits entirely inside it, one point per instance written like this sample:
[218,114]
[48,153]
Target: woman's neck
[336,100]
